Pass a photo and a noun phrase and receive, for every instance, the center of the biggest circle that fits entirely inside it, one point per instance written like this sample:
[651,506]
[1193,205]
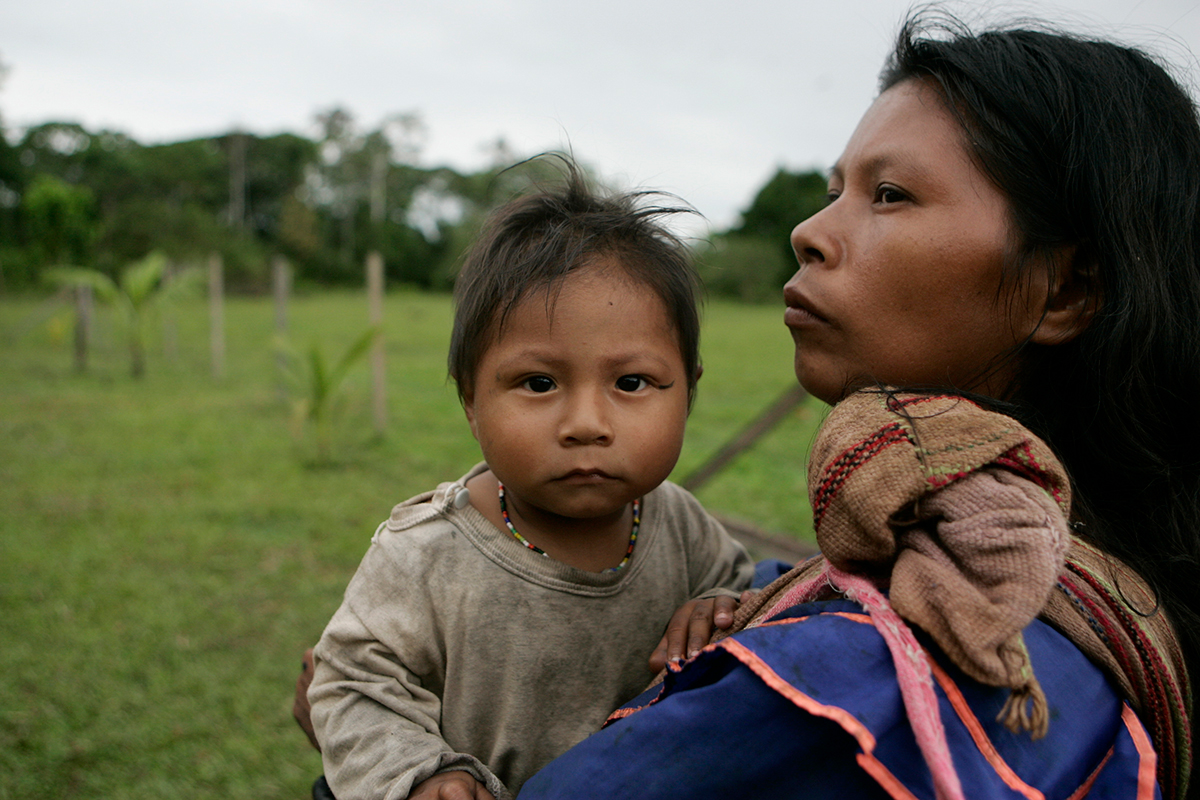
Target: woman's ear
[1073,298]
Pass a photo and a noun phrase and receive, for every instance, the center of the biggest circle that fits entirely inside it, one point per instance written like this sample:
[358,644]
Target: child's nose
[587,419]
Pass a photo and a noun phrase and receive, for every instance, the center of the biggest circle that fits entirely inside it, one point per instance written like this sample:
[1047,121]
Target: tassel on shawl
[1026,709]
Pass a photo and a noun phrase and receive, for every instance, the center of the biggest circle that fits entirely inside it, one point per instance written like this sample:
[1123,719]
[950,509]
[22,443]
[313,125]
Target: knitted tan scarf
[960,515]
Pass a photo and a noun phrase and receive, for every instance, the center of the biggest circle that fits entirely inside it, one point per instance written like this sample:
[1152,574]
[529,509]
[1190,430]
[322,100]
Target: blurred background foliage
[164,559]
[100,199]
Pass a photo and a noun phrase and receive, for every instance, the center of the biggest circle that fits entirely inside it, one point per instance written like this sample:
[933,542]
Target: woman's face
[901,276]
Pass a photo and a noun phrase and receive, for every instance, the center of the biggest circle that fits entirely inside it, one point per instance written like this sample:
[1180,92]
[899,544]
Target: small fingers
[723,609]
[453,785]
[678,629]
[301,710]
[457,790]
[658,659]
[691,629]
[700,626]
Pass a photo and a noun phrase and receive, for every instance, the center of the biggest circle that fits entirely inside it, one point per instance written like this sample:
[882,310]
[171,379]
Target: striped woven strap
[1108,612]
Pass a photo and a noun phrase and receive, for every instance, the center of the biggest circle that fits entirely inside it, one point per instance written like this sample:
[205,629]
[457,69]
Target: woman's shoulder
[827,660]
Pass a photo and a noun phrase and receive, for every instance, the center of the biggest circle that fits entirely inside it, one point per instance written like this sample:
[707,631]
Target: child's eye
[539,384]
[631,383]
[831,195]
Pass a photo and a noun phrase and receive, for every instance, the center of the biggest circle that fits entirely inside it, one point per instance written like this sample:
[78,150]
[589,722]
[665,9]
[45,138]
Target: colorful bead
[637,523]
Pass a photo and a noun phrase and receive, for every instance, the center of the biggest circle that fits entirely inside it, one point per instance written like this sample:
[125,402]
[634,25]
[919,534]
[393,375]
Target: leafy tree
[276,168]
[11,183]
[785,200]
[323,202]
[754,259]
[746,268]
[298,231]
[360,188]
[58,220]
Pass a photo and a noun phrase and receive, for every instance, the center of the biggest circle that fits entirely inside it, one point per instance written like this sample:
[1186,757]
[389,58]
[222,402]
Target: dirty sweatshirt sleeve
[717,563]
[377,688]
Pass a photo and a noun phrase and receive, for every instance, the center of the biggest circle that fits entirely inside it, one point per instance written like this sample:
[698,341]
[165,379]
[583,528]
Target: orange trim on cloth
[847,721]
[1148,765]
[975,728]
[622,713]
[850,615]
[883,776]
[1086,787]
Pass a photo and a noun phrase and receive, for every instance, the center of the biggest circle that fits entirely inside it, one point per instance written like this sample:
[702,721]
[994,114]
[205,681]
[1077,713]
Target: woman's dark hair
[1096,147]
[534,242]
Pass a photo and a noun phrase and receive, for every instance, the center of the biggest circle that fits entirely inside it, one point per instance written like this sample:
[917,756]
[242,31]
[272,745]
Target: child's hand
[300,707]
[692,625]
[454,785]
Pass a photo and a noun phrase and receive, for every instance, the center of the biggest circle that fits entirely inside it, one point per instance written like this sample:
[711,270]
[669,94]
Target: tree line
[100,199]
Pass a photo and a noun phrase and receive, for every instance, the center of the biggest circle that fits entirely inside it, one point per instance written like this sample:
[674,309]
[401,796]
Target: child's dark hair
[535,241]
[1097,147]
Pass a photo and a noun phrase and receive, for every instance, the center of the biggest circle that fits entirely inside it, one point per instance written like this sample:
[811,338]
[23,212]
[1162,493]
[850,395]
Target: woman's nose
[811,241]
[587,419]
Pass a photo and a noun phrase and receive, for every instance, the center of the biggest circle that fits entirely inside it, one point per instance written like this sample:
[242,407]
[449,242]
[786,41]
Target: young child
[497,620]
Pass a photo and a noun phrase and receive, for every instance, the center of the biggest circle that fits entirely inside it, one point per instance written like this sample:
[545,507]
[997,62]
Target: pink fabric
[912,666]
[914,678]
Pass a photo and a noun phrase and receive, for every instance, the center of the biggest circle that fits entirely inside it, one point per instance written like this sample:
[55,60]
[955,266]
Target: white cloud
[698,97]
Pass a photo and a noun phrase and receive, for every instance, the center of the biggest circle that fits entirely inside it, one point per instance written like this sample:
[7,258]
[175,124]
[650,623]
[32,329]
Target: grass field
[168,548]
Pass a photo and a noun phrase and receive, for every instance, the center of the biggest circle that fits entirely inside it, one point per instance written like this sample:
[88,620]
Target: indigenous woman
[1006,601]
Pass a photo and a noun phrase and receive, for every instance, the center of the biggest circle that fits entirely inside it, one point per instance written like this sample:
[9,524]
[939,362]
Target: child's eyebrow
[623,360]
[615,362]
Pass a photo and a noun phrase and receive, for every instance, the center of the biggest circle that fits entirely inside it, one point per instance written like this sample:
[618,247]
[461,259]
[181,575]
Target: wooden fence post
[216,313]
[170,330]
[83,326]
[375,301]
[281,284]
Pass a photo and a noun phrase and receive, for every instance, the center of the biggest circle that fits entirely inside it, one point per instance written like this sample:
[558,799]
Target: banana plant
[140,285]
[319,385]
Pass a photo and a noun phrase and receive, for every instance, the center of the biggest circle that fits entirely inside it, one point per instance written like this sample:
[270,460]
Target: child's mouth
[586,476]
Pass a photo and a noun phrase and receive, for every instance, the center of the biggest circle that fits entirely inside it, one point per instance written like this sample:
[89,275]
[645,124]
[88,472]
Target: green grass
[168,548]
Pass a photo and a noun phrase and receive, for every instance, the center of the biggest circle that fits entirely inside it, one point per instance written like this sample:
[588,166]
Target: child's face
[581,411]
[900,275]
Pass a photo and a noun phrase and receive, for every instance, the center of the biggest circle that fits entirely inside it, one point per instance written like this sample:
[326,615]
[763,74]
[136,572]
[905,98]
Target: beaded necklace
[637,523]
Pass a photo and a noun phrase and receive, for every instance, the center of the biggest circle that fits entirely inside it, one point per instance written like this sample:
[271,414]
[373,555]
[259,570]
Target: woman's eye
[831,195]
[539,384]
[888,195]
[631,383]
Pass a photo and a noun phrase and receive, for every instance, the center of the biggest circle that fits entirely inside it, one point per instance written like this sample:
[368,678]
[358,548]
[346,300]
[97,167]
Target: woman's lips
[802,317]
[801,311]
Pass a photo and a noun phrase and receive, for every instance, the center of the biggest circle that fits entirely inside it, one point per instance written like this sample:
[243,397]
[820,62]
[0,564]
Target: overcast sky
[701,98]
